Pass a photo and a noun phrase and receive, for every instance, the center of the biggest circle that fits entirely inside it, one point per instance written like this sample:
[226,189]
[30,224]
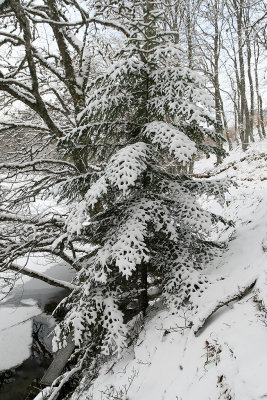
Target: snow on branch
[167,49]
[126,165]
[169,137]
[36,220]
[127,246]
[36,162]
[109,24]
[42,277]
[12,124]
[122,171]
[130,248]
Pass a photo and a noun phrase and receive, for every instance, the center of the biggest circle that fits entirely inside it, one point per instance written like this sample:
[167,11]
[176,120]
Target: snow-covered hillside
[227,358]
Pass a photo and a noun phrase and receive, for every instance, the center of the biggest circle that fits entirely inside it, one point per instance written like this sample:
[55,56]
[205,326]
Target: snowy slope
[228,358]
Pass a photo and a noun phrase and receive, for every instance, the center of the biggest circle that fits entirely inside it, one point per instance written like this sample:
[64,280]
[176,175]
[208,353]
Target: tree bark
[239,7]
[260,117]
[216,54]
[225,124]
[251,85]
[143,297]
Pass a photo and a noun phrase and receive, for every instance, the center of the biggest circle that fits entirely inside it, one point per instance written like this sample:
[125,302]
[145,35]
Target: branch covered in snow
[42,277]
[238,295]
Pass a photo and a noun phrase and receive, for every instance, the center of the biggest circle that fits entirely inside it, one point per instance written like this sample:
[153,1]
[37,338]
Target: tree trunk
[189,35]
[247,134]
[260,117]
[217,94]
[142,270]
[143,297]
[251,86]
[256,60]
[225,124]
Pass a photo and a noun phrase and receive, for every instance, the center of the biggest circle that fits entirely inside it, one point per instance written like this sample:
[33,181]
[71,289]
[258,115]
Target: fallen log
[60,360]
[234,297]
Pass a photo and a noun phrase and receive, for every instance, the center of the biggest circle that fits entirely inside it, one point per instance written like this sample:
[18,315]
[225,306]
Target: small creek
[21,382]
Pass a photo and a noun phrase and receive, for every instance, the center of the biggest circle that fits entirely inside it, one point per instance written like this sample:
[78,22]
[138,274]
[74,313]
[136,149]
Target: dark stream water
[22,382]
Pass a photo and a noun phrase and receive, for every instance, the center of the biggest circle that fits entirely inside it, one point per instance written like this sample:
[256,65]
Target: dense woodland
[105,106]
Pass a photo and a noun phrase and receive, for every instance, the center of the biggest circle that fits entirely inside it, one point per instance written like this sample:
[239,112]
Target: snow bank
[16,334]
[26,301]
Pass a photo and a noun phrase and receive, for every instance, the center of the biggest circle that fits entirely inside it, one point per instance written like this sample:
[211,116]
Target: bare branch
[238,295]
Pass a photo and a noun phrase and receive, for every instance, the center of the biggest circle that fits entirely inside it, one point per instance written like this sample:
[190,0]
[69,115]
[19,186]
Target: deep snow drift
[228,358]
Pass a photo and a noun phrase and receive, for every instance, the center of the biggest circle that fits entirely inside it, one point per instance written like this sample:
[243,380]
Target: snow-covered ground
[228,358]
[26,301]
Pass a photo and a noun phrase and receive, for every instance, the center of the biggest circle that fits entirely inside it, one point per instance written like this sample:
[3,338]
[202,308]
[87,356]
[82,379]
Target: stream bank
[21,381]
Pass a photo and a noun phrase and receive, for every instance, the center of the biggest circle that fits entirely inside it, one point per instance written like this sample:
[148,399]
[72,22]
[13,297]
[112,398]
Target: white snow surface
[228,358]
[18,309]
[16,334]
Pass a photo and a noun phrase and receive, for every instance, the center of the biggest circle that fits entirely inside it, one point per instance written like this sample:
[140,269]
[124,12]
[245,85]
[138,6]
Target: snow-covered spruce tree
[146,110]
